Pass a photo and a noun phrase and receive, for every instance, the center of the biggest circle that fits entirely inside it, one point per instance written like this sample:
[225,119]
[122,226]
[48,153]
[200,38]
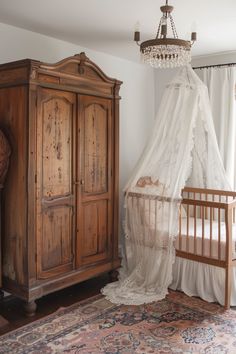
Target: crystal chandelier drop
[163,51]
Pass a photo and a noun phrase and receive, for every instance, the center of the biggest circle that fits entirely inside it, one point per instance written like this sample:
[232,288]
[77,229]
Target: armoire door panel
[56,237]
[95,148]
[95,231]
[56,121]
[90,231]
[56,147]
[94,219]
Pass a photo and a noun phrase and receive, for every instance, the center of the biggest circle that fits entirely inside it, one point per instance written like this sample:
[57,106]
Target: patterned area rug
[178,324]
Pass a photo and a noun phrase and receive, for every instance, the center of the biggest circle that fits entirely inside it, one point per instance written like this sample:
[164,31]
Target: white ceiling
[108,25]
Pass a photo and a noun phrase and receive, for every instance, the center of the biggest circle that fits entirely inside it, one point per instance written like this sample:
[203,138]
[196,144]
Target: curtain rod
[214,66]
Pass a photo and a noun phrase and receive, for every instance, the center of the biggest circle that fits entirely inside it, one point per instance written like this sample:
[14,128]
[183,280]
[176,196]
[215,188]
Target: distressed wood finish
[61,201]
[96,188]
[14,198]
[56,117]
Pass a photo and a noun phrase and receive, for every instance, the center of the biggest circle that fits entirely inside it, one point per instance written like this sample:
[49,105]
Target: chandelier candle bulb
[193,36]
[136,36]
[137,27]
[164,30]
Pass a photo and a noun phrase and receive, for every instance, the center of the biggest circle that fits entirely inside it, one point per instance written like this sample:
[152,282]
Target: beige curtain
[221,82]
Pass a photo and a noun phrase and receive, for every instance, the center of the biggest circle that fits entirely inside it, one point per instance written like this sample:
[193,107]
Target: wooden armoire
[60,201]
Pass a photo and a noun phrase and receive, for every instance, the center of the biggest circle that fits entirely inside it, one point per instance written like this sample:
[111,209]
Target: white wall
[162,78]
[137,91]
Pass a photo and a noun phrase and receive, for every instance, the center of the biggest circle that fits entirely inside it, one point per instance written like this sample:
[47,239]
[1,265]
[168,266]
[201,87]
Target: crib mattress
[205,247]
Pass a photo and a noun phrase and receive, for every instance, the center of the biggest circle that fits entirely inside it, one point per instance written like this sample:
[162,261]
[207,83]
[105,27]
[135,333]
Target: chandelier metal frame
[163,51]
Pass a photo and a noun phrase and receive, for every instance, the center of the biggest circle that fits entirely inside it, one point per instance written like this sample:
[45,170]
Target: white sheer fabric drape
[182,148]
[221,82]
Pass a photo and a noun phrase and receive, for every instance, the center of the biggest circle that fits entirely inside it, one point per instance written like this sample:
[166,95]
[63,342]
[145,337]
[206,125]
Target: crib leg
[228,280]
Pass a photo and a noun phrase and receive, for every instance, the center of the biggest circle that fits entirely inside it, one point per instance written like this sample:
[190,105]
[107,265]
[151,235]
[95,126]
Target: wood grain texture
[95,149]
[56,201]
[14,199]
[56,146]
[61,201]
[95,215]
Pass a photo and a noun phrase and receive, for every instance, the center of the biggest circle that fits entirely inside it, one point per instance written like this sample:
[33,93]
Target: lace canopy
[181,151]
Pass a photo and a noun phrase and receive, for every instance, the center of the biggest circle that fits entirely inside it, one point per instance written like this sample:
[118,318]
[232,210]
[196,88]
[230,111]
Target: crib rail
[204,191]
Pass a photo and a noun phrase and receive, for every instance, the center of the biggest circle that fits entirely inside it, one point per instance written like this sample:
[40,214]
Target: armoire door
[94,180]
[56,126]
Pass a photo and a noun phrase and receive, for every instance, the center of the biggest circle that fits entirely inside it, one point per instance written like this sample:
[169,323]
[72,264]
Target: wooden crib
[207,230]
[215,243]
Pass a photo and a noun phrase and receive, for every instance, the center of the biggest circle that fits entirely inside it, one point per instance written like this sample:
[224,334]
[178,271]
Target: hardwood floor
[12,310]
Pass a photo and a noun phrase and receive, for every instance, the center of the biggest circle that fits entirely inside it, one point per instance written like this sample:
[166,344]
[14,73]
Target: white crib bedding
[199,279]
[202,280]
[188,245]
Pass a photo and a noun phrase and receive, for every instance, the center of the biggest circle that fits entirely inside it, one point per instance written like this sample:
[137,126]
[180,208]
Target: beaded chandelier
[163,51]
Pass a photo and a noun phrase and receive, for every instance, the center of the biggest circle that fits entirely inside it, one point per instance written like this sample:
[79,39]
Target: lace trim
[183,131]
[120,295]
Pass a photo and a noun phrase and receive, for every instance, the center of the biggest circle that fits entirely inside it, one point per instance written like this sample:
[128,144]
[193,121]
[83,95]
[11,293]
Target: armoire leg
[30,308]
[113,275]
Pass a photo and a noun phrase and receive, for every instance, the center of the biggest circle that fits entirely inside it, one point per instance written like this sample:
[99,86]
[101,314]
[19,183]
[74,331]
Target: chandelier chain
[173,27]
[158,30]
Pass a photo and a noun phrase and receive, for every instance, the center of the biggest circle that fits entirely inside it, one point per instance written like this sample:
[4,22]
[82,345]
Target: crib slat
[200,198]
[219,212]
[219,234]
[203,229]
[195,229]
[155,217]
[135,206]
[147,237]
[206,209]
[187,240]
[213,199]
[211,220]
[144,208]
[180,227]
[228,257]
